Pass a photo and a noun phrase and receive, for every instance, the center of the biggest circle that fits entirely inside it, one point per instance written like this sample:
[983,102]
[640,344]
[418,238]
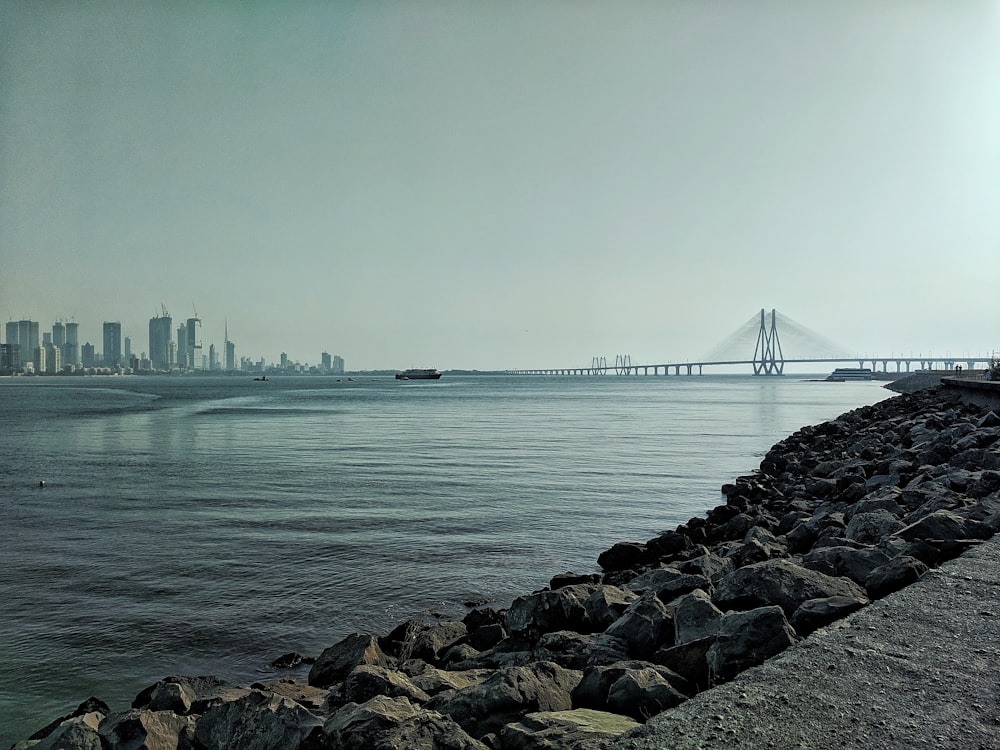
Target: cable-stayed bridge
[770,336]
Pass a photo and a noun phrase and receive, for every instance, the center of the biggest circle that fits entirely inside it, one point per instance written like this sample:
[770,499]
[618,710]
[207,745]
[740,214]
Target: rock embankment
[838,515]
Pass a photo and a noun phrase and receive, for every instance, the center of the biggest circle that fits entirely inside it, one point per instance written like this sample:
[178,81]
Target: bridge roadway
[926,363]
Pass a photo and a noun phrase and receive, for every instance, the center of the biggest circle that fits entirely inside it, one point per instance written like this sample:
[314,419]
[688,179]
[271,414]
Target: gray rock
[432,680]
[142,729]
[817,613]
[606,604]
[642,693]
[689,660]
[337,661]
[695,617]
[258,721]
[779,582]
[872,526]
[894,575]
[179,693]
[849,562]
[579,651]
[384,723]
[595,687]
[368,680]
[548,611]
[75,733]
[507,695]
[645,626]
[578,729]
[747,639]
[945,524]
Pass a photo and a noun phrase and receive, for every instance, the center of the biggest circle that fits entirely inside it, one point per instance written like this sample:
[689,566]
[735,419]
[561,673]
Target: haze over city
[503,185]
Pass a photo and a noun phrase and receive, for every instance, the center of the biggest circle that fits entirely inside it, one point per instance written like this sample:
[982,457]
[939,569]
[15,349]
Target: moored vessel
[416,374]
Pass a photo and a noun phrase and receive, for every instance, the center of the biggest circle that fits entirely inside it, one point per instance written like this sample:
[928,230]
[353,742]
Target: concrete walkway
[918,669]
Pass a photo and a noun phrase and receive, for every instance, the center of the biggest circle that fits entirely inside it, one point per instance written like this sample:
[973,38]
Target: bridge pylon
[767,357]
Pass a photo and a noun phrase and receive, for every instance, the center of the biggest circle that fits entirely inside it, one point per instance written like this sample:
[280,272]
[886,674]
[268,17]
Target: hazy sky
[478,184]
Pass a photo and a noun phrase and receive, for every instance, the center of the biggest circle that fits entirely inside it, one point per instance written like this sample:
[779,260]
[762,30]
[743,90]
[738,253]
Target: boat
[414,374]
[842,374]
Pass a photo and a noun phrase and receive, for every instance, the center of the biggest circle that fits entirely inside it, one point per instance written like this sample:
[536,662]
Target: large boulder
[384,723]
[873,526]
[779,582]
[77,732]
[642,693]
[180,693]
[695,617]
[945,525]
[898,573]
[816,613]
[747,639]
[578,651]
[337,661]
[507,695]
[595,688]
[140,728]
[258,721]
[606,604]
[368,680]
[850,562]
[645,626]
[577,729]
[547,611]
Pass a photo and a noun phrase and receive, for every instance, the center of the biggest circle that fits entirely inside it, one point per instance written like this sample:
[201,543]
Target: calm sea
[208,525]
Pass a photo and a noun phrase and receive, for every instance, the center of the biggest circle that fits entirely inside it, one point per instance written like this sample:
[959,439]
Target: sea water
[207,525]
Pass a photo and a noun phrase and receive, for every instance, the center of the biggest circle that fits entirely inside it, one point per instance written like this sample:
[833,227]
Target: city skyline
[504,185]
[168,347]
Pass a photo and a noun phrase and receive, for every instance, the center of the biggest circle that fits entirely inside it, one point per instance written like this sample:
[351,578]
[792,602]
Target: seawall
[843,523]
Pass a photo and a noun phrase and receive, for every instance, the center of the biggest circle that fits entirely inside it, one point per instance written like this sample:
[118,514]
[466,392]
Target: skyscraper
[160,330]
[71,349]
[194,354]
[182,343]
[230,351]
[24,333]
[112,343]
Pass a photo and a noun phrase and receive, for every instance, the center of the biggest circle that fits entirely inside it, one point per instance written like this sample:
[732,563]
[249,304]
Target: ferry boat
[849,373]
[413,374]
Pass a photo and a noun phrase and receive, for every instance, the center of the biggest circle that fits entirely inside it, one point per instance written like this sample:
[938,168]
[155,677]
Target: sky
[495,185]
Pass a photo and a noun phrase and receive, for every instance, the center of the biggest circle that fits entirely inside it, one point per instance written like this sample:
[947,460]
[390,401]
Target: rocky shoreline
[839,514]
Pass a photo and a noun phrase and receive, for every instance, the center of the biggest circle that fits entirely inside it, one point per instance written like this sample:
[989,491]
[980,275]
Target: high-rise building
[128,348]
[230,351]
[182,346]
[160,330]
[59,333]
[338,364]
[53,360]
[112,343]
[71,349]
[89,359]
[24,333]
[284,360]
[194,354]
[326,361]
[8,356]
[213,360]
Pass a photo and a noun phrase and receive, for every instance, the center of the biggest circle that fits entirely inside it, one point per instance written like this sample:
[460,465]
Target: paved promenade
[918,669]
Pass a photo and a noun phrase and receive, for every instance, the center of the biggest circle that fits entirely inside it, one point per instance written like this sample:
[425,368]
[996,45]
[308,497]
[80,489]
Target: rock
[849,562]
[257,721]
[779,582]
[431,642]
[695,617]
[711,566]
[645,626]
[643,693]
[433,680]
[140,728]
[578,651]
[384,723]
[76,732]
[90,706]
[310,698]
[816,613]
[944,524]
[747,639]
[548,611]
[668,583]
[569,579]
[872,526]
[368,680]
[291,660]
[578,729]
[894,575]
[177,693]
[689,660]
[507,695]
[606,604]
[337,661]
[624,556]
[595,687]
